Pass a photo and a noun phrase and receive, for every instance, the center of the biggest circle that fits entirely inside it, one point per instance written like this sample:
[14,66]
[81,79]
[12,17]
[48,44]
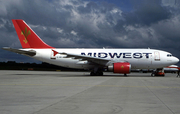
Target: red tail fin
[27,37]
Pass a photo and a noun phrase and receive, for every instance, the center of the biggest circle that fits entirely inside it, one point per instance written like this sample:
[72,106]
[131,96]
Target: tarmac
[44,92]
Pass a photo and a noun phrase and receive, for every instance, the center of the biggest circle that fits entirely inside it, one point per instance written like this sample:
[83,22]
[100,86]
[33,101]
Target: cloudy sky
[93,24]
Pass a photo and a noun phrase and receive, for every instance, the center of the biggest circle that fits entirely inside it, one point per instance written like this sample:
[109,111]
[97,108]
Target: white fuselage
[138,58]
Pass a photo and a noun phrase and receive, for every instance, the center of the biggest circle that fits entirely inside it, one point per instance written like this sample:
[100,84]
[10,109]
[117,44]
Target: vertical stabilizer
[27,37]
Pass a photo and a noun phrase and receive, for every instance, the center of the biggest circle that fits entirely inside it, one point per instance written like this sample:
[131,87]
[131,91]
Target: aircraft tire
[92,74]
[98,73]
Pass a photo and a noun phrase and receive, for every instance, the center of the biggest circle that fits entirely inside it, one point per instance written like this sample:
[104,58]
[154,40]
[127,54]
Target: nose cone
[175,60]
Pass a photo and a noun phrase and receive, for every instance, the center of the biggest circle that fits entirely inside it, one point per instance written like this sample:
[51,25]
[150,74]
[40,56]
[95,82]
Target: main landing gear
[158,72]
[98,73]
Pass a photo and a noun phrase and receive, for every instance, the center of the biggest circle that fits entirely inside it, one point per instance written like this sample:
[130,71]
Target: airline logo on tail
[25,33]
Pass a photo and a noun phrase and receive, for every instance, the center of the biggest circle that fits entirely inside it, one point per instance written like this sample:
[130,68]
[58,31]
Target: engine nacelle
[121,67]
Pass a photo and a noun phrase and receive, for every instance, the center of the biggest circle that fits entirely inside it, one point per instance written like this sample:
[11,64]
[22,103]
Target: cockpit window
[169,55]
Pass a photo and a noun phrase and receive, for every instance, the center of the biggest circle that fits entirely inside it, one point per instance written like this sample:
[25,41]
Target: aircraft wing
[96,60]
[19,51]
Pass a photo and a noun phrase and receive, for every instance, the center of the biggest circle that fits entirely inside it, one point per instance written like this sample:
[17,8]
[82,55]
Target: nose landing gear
[158,72]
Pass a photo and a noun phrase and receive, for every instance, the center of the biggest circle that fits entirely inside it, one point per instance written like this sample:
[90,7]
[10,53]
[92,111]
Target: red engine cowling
[121,67]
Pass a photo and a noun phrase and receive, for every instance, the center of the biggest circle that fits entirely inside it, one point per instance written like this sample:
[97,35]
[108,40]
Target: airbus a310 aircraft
[95,60]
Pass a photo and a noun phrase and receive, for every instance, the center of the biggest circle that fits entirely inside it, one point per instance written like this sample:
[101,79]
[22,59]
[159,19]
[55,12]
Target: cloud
[80,23]
[168,31]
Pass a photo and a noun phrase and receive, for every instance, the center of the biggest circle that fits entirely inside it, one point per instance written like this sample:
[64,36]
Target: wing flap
[23,52]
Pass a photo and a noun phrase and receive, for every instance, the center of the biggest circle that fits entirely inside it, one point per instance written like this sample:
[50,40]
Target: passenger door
[156,56]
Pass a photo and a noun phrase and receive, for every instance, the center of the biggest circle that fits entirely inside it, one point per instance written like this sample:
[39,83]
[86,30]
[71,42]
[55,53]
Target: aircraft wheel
[92,74]
[152,74]
[99,73]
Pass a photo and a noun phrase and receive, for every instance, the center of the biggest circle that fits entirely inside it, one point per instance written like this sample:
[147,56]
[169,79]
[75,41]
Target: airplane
[172,68]
[116,60]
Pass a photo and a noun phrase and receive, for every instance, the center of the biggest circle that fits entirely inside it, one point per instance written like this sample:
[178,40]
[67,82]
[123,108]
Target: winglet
[27,37]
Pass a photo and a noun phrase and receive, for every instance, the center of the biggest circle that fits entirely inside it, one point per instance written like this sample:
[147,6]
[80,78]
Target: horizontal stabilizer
[19,51]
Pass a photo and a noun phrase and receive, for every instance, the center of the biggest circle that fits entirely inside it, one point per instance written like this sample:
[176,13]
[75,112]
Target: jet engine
[120,67]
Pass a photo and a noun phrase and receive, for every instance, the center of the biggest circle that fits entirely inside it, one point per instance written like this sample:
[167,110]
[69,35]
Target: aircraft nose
[176,60]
